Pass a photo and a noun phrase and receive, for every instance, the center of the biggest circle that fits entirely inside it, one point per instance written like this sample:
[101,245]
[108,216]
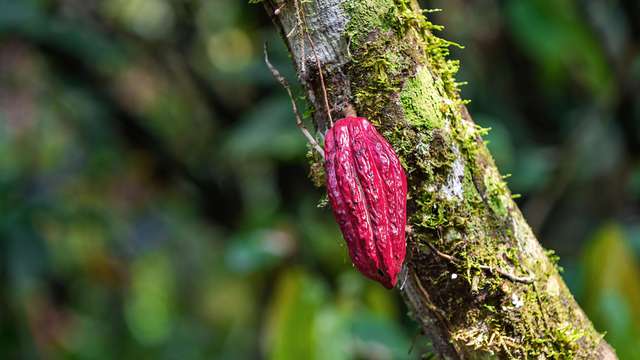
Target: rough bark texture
[477,279]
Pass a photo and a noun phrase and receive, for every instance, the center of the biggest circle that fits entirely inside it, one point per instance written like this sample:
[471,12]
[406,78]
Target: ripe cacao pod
[367,190]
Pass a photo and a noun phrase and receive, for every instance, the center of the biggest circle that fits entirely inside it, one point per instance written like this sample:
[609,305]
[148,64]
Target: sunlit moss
[422,105]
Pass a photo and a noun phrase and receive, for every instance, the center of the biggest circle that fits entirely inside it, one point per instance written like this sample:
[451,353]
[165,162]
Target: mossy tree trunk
[476,280]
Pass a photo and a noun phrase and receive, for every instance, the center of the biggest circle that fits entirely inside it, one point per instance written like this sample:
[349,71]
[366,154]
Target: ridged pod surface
[367,190]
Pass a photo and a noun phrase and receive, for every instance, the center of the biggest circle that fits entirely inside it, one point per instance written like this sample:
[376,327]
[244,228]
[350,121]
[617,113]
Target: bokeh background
[154,198]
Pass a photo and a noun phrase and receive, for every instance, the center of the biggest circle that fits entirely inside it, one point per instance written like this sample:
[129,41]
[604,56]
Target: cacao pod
[367,190]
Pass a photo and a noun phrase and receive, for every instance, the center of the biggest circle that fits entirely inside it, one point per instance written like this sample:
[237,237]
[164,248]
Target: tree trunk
[476,279]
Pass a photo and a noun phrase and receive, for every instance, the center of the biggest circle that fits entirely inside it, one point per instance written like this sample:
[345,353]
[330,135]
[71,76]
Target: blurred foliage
[611,288]
[154,199]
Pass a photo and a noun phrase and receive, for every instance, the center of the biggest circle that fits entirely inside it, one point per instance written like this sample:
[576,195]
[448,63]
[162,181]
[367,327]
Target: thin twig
[521,279]
[285,84]
[404,275]
[293,29]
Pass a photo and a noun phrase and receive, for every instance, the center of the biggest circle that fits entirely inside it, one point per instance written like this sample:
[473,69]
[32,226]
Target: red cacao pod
[367,190]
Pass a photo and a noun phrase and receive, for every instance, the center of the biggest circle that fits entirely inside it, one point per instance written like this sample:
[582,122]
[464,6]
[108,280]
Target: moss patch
[423,107]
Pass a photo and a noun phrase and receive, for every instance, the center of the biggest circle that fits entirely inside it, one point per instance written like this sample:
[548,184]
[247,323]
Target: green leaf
[291,327]
[612,289]
[149,307]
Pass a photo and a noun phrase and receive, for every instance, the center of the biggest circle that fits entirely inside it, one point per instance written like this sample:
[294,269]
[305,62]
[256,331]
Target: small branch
[521,279]
[285,84]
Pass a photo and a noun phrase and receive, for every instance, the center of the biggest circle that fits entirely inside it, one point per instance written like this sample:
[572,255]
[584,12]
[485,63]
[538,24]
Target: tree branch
[381,58]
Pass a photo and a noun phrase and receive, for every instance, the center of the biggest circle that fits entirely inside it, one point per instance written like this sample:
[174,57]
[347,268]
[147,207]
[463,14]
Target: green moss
[497,194]
[378,75]
[364,16]
[383,60]
[422,103]
[316,170]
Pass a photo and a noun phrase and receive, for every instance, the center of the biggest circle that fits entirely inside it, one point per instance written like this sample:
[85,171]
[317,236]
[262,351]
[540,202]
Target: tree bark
[476,279]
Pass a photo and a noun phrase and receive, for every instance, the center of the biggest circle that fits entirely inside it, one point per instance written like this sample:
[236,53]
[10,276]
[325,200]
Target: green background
[154,198]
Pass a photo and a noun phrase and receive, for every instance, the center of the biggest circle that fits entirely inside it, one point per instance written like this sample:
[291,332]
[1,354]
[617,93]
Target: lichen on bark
[478,282]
